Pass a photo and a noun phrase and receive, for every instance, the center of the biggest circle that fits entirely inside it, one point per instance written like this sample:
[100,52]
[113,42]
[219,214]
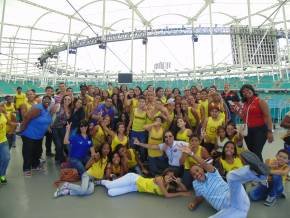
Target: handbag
[244,127]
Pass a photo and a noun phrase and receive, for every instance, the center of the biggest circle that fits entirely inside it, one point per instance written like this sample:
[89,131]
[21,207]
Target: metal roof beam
[57,12]
[140,15]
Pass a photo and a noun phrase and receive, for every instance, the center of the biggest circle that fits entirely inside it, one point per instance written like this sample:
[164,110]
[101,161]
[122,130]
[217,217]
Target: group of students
[156,141]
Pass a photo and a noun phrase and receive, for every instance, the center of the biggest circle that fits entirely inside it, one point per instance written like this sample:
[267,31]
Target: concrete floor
[33,198]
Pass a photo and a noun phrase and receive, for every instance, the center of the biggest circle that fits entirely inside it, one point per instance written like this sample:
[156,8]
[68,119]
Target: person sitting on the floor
[278,172]
[229,198]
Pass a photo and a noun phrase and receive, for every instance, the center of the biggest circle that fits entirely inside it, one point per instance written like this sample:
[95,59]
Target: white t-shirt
[173,153]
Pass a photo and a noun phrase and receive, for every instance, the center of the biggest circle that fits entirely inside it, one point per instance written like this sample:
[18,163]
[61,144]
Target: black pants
[256,139]
[48,142]
[31,152]
[57,137]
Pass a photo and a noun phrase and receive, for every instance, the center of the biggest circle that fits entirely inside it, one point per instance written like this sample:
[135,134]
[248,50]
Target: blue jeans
[78,164]
[157,165]
[4,157]
[261,192]
[238,203]
[87,186]
[142,137]
[123,185]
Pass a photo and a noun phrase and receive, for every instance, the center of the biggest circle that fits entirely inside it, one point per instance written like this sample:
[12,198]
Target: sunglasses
[83,126]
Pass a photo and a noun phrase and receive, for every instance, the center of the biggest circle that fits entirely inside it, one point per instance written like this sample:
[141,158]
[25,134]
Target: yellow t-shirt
[211,129]
[167,123]
[19,100]
[278,168]
[117,141]
[139,120]
[132,162]
[97,170]
[147,185]
[192,120]
[231,166]
[204,104]
[189,161]
[3,124]
[99,137]
[155,138]
[9,109]
[183,135]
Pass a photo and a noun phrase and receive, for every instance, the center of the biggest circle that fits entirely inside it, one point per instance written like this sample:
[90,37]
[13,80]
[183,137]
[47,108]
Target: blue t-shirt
[38,126]
[79,146]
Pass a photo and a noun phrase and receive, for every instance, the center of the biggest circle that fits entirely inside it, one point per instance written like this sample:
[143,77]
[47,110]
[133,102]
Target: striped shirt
[214,189]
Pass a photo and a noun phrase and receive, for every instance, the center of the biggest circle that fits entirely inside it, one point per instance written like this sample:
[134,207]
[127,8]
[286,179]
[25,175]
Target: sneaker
[270,201]
[284,194]
[61,192]
[255,163]
[38,168]
[3,180]
[64,186]
[27,173]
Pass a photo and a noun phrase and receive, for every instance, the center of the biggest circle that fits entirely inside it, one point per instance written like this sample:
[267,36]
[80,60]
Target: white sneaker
[61,192]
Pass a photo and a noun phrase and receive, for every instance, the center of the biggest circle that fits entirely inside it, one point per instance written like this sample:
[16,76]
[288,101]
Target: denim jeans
[142,137]
[4,157]
[57,137]
[87,186]
[157,165]
[31,152]
[123,185]
[238,203]
[78,164]
[274,189]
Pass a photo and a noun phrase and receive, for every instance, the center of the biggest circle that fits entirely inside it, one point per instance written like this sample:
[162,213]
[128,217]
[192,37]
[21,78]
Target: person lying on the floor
[228,198]
[278,172]
[95,170]
[167,185]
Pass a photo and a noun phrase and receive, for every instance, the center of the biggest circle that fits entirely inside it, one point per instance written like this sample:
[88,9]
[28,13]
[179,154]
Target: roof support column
[146,54]
[68,46]
[249,15]
[2,22]
[193,53]
[132,40]
[211,34]
[104,39]
[287,40]
[28,52]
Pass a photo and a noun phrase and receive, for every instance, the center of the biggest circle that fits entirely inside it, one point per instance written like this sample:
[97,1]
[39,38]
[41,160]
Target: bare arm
[196,201]
[207,167]
[267,117]
[159,182]
[156,147]
[67,133]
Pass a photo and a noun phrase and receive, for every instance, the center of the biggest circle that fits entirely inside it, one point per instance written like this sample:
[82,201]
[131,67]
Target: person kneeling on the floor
[229,198]
[95,170]
[167,185]
[278,172]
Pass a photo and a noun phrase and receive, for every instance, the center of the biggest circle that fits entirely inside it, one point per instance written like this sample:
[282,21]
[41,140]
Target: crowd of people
[157,140]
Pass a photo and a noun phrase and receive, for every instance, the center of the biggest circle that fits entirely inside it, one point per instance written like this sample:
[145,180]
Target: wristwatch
[191,153]
[271,130]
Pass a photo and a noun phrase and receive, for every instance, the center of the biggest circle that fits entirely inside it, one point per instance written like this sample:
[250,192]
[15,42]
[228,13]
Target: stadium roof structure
[81,40]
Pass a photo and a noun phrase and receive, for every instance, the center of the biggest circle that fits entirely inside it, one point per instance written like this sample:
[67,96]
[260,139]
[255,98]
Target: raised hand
[68,126]
[185,149]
